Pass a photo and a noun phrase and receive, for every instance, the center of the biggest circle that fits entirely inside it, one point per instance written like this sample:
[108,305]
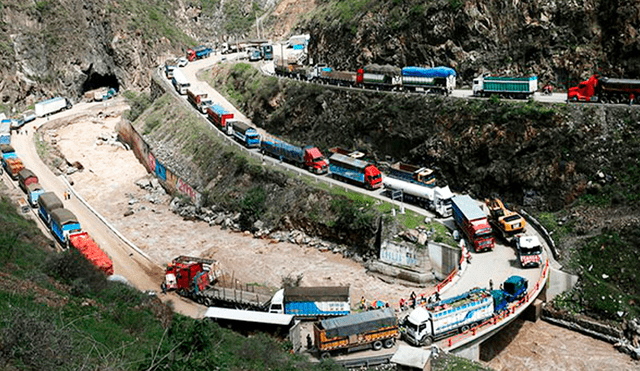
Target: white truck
[51,106]
[437,199]
[180,82]
[529,250]
[447,317]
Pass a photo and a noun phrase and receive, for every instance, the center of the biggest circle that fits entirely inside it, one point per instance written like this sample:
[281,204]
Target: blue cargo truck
[47,203]
[308,157]
[438,80]
[312,302]
[63,223]
[34,191]
[246,134]
[355,171]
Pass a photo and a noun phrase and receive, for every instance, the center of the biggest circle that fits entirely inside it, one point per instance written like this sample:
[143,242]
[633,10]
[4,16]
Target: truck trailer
[308,157]
[5,132]
[47,202]
[199,100]
[508,87]
[358,172]
[447,317]
[372,329]
[199,52]
[88,248]
[12,165]
[436,199]
[245,134]
[312,302]
[219,116]
[52,106]
[63,223]
[439,80]
[473,222]
[605,90]
[413,174]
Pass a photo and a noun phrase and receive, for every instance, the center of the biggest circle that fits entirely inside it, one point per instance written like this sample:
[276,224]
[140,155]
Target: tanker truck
[436,199]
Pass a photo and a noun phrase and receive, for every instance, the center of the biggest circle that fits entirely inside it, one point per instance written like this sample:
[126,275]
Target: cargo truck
[254,54]
[529,250]
[63,223]
[169,66]
[267,52]
[199,100]
[47,202]
[295,71]
[308,157]
[246,134]
[34,190]
[12,165]
[52,106]
[605,90]
[88,248]
[436,199]
[26,177]
[447,317]
[198,52]
[473,222]
[5,132]
[412,173]
[355,171]
[312,302]
[508,87]
[514,288]
[372,329]
[219,116]
[180,82]
[378,77]
[439,80]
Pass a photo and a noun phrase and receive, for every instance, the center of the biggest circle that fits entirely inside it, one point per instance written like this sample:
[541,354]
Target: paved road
[139,270]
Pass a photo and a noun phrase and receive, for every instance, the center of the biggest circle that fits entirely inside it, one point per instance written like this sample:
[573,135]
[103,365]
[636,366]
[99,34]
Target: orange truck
[13,166]
[86,246]
[372,329]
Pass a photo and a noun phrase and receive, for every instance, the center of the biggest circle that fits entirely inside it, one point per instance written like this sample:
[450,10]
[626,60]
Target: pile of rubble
[630,344]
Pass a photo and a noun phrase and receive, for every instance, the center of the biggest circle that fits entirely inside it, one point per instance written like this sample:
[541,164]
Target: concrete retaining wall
[444,259]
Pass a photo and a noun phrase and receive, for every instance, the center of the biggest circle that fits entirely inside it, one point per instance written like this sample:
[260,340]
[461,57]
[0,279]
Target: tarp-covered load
[334,293]
[63,216]
[92,252]
[428,72]
[49,201]
[359,323]
[382,69]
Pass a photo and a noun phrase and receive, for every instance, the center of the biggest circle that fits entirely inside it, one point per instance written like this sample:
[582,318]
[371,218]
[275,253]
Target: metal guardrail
[543,231]
[365,361]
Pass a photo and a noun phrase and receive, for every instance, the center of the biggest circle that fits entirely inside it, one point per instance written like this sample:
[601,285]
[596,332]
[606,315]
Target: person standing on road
[490,285]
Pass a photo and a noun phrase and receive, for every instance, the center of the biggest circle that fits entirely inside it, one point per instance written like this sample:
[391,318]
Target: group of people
[414,300]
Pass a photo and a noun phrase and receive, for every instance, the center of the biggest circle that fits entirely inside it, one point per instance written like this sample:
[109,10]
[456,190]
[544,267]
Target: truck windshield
[530,250]
[375,177]
[318,159]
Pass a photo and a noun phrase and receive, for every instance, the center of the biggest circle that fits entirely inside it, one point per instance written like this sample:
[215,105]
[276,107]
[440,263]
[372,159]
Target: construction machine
[508,223]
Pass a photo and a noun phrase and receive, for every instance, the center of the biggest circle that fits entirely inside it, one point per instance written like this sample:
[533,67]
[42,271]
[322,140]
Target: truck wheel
[200,300]
[377,345]
[208,302]
[464,328]
[427,341]
[325,355]
[389,343]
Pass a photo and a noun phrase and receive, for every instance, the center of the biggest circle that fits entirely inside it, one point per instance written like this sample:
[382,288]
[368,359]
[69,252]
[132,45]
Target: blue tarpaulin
[428,72]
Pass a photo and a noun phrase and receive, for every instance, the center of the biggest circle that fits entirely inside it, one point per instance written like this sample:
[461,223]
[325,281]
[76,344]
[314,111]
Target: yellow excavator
[508,222]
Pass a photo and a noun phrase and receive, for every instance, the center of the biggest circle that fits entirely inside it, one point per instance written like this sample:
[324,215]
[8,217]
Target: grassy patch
[138,102]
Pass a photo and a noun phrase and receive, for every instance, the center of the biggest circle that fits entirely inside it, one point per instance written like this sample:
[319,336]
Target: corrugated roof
[468,207]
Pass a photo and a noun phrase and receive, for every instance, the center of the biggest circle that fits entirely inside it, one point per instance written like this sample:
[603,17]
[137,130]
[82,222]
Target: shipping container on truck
[308,157]
[372,329]
[219,116]
[312,302]
[26,177]
[180,82]
[605,90]
[52,106]
[47,202]
[63,223]
[88,248]
[473,222]
[413,174]
[439,80]
[505,86]
[358,172]
[34,190]
[245,134]
[436,199]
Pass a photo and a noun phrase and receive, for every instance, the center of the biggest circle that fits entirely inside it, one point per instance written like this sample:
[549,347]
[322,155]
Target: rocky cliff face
[558,40]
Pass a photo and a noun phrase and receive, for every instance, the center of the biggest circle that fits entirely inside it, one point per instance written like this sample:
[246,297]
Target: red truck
[91,251]
[605,90]
[187,274]
[219,116]
[26,177]
[473,222]
[199,100]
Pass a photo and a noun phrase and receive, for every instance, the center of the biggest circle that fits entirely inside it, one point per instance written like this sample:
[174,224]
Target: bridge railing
[510,311]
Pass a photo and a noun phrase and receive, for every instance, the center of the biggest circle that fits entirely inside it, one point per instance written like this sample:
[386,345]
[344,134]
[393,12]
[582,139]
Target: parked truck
[88,248]
[34,190]
[52,106]
[514,288]
[436,199]
[198,52]
[507,222]
[439,80]
[295,71]
[180,82]
[312,302]
[355,171]
[473,222]
[447,317]
[372,329]
[219,116]
[245,134]
[169,66]
[605,90]
[413,174]
[529,250]
[308,157]
[47,203]
[199,100]
[267,52]
[508,87]
[63,223]
[26,177]
[5,132]
[12,165]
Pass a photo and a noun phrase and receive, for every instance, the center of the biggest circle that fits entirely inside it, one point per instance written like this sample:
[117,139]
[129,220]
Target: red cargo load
[92,252]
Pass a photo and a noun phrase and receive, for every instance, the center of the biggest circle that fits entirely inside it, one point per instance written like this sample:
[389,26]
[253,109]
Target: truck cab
[442,201]
[529,251]
[417,327]
[314,160]
[585,91]
[277,302]
[372,177]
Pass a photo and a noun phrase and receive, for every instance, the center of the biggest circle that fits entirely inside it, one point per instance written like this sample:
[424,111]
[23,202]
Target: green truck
[505,86]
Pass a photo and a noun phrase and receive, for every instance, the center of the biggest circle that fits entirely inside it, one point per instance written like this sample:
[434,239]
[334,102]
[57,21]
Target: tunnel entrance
[95,80]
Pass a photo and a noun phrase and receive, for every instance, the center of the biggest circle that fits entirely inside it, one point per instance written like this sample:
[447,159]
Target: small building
[408,358]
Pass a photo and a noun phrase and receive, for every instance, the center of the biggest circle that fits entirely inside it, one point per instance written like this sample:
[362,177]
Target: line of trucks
[41,109]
